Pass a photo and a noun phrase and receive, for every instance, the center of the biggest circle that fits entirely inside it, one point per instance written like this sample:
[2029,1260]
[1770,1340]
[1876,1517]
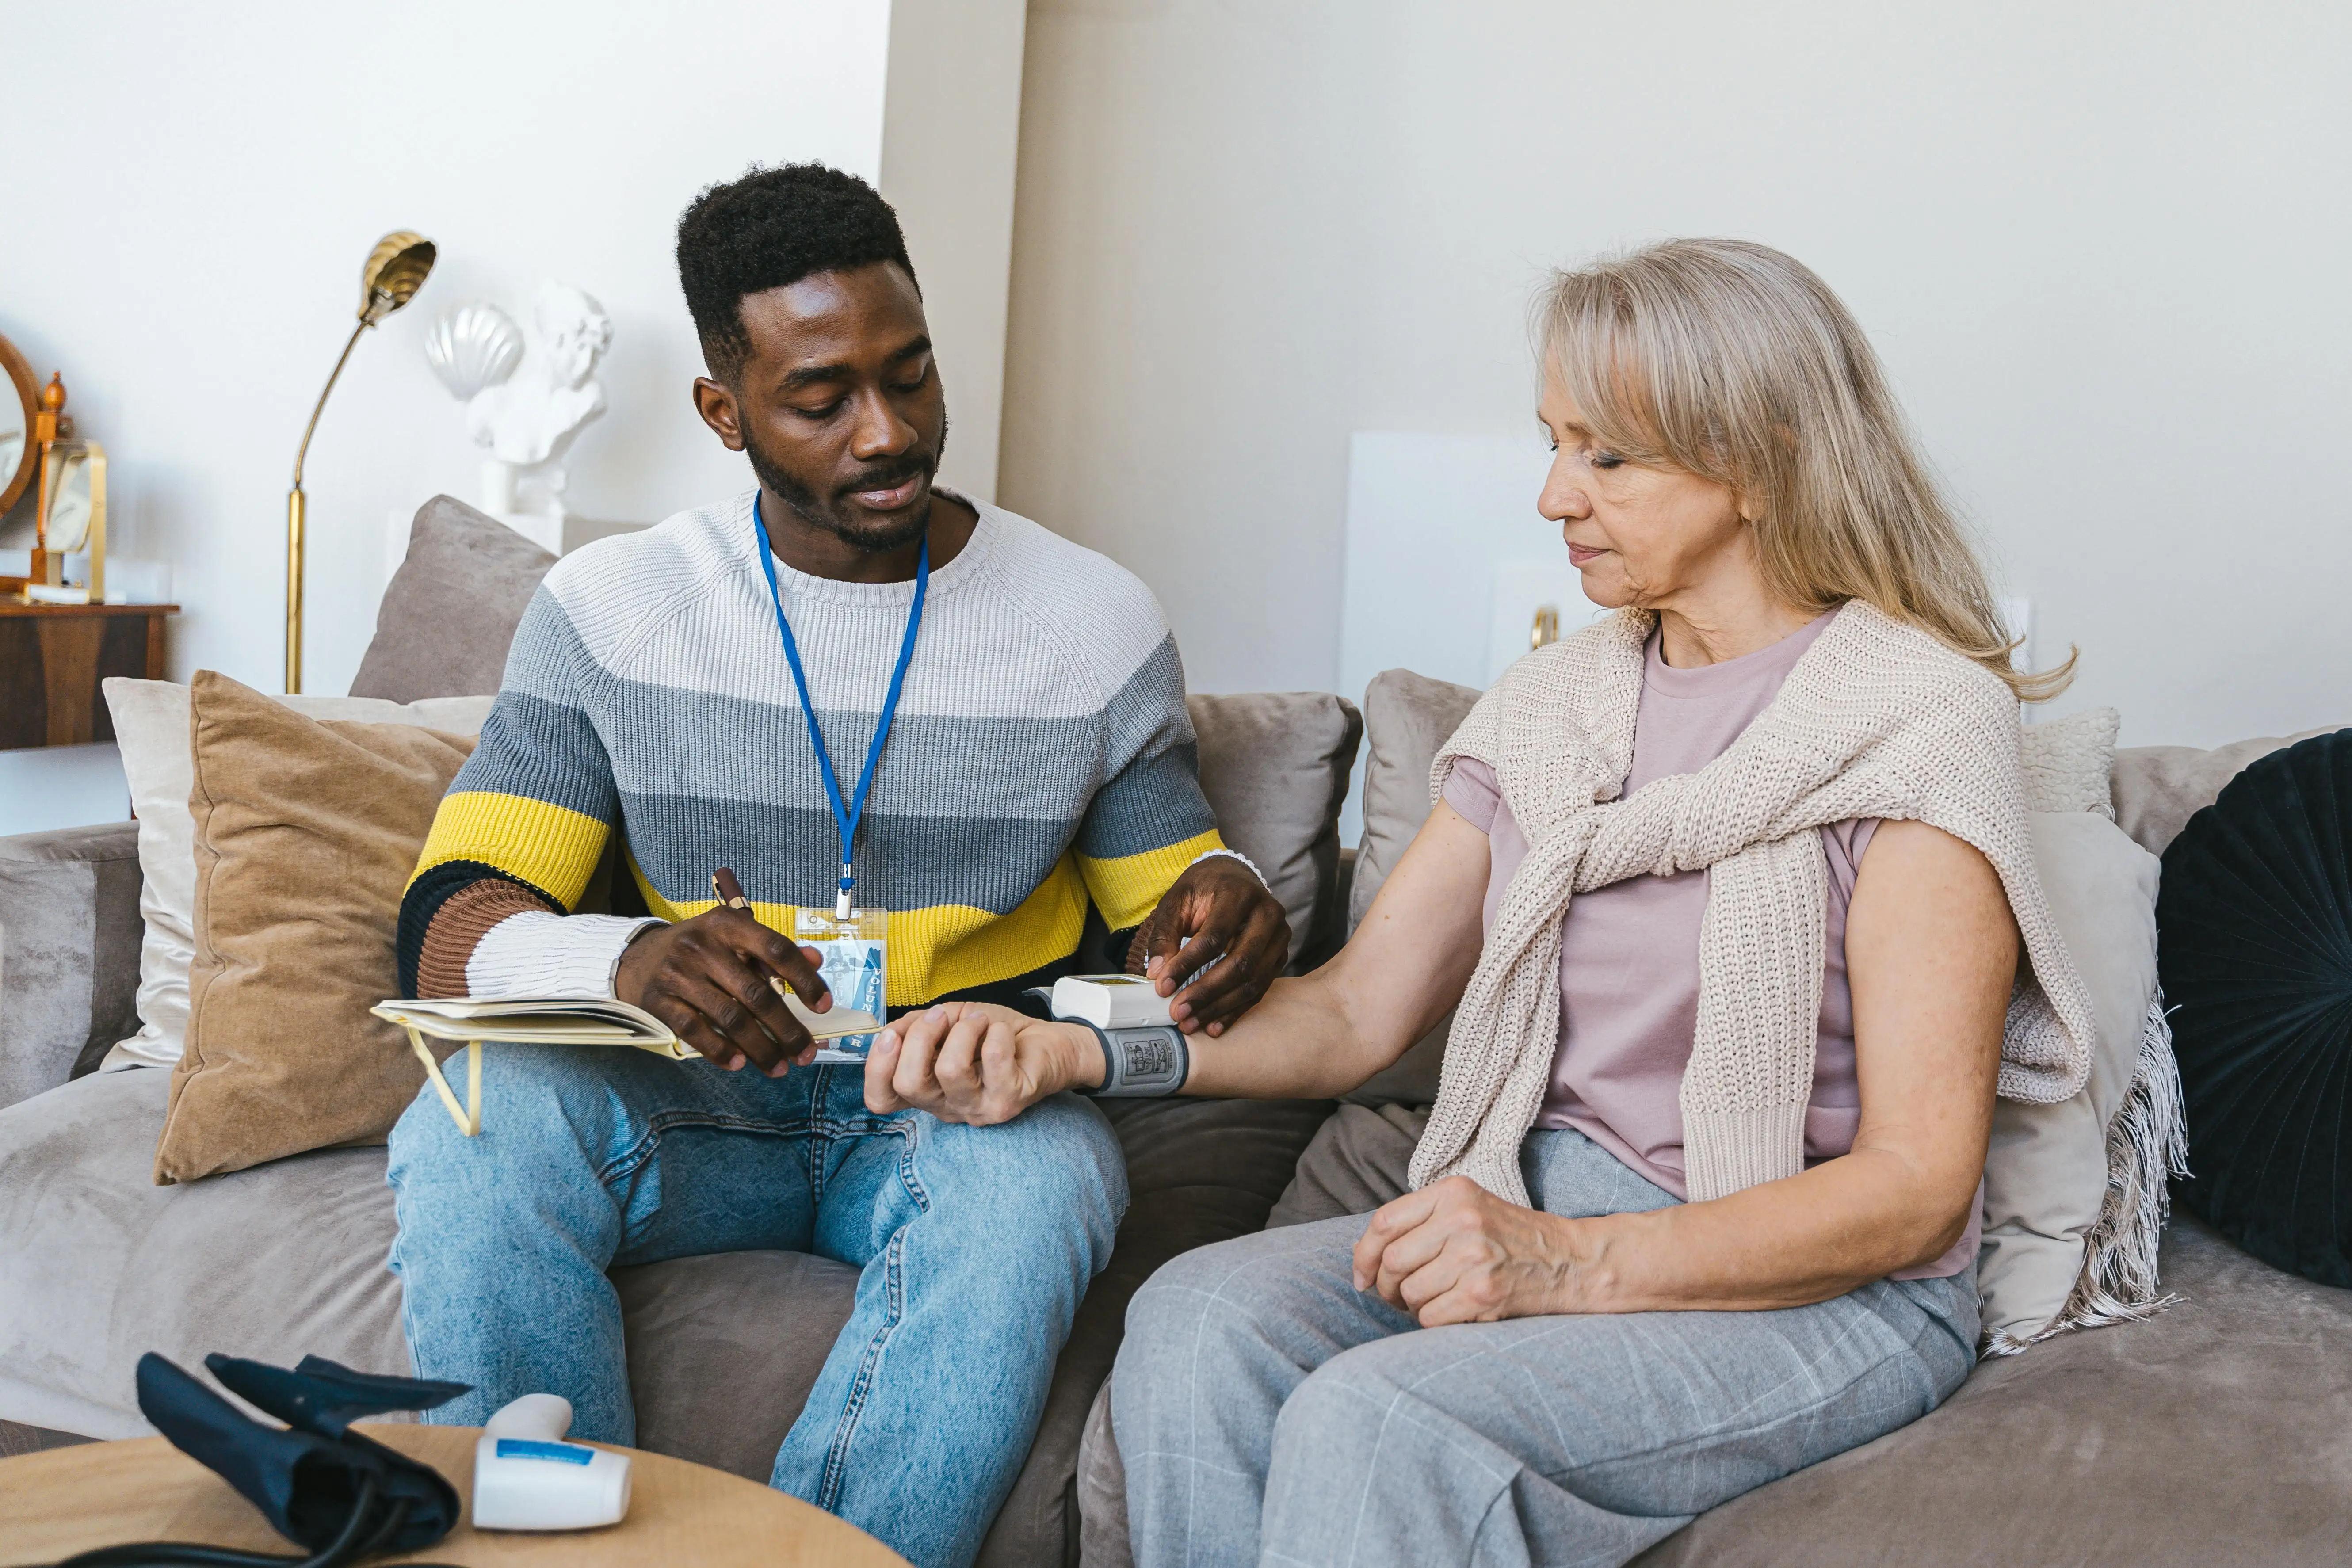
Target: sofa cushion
[150,726]
[2159,788]
[99,1265]
[305,832]
[68,952]
[1275,766]
[724,1348]
[2212,1433]
[449,613]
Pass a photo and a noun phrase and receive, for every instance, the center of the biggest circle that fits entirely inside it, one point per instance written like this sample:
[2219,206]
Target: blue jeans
[1267,1411]
[976,1245]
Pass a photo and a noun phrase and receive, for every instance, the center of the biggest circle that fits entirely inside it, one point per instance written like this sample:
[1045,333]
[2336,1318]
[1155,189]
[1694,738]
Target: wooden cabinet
[52,657]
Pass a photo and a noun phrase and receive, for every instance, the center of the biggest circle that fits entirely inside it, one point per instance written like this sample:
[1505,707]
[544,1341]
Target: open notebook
[562,1021]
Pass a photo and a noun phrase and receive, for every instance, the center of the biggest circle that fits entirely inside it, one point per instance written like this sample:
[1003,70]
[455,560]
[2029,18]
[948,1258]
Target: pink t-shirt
[1629,951]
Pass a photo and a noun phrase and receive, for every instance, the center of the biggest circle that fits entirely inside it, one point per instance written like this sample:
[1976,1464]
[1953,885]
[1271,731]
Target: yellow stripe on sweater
[553,848]
[1128,887]
[946,947]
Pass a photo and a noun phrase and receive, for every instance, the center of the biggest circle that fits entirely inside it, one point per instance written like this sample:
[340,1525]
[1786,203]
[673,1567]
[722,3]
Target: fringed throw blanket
[1876,720]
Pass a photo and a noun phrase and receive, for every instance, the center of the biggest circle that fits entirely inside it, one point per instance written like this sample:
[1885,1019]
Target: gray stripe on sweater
[790,854]
[545,751]
[996,769]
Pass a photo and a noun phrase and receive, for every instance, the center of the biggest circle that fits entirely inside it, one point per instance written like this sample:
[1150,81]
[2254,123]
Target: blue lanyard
[845,817]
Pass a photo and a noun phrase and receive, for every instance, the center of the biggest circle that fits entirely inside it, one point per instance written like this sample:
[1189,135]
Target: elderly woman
[1733,897]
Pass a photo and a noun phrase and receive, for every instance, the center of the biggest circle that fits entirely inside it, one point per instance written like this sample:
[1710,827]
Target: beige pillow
[2068,762]
[2048,1172]
[150,727]
[305,834]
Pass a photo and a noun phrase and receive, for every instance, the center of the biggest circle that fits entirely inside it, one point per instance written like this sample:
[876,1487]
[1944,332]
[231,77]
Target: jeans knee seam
[894,1293]
[836,1456]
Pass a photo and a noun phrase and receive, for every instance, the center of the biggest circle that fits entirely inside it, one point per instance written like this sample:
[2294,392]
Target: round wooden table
[64,1500]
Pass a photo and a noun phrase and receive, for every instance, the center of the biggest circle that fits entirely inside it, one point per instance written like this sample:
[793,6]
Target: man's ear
[716,403]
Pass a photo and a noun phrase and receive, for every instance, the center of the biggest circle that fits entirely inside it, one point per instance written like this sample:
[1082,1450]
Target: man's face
[839,404]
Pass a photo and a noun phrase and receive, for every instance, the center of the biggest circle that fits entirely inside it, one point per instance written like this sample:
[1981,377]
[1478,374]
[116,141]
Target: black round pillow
[2254,949]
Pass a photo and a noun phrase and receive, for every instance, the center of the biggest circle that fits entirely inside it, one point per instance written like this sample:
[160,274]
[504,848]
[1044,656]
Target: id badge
[856,965]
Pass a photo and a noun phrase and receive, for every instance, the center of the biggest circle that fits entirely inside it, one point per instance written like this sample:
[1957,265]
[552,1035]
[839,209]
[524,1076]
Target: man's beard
[834,517]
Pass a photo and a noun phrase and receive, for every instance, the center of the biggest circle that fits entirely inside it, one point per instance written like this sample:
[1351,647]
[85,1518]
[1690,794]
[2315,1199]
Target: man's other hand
[1240,941]
[706,978]
[977,1063]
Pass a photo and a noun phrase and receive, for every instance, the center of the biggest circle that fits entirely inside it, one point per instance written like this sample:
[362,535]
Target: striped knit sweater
[1040,758]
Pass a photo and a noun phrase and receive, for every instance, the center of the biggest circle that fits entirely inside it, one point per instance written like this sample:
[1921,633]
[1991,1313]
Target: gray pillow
[452,609]
[1275,766]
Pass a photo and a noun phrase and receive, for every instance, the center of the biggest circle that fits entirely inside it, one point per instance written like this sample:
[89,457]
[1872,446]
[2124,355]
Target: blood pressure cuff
[307,1477]
[1148,1061]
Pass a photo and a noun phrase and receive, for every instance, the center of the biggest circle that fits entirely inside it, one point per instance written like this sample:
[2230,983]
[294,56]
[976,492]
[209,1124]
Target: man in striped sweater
[1040,761]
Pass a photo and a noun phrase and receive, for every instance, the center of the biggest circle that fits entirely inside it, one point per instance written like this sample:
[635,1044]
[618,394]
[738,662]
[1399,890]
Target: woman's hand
[1454,1253]
[977,1063]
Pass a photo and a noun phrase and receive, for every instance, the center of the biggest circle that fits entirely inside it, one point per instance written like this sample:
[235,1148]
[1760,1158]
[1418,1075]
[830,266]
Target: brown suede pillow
[306,833]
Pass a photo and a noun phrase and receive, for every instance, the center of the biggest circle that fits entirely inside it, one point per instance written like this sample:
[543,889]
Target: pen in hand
[730,892]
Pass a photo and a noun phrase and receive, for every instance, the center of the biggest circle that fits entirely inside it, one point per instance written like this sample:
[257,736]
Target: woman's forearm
[1326,1033]
[1298,1043]
[1789,1243]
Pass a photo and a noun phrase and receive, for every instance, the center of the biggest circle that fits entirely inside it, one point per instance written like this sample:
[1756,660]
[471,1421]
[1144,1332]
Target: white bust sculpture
[526,413]
[532,418]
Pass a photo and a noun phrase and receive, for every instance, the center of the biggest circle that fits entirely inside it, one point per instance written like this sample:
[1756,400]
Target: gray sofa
[2220,1431]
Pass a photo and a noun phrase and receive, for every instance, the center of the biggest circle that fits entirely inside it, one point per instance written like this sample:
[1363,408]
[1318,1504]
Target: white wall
[950,145]
[2101,247]
[185,247]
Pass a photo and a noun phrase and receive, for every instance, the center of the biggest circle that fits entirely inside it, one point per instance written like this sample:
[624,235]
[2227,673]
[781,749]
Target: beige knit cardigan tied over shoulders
[1877,718]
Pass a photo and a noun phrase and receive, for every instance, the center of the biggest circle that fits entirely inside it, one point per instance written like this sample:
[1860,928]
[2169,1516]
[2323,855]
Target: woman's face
[1640,535]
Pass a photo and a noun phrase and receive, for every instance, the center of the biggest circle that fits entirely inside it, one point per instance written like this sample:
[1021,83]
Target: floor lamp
[396,271]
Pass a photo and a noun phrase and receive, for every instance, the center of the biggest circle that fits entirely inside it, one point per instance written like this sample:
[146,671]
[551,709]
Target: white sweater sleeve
[541,953]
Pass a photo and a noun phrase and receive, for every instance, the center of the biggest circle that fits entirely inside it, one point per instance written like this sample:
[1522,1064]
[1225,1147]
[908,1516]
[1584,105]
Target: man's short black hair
[771,228]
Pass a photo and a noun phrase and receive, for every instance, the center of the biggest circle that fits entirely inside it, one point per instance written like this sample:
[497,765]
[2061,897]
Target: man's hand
[1454,1253]
[977,1063]
[706,978]
[1236,925]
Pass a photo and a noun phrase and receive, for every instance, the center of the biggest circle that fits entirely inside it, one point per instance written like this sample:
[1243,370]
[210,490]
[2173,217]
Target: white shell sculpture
[472,347]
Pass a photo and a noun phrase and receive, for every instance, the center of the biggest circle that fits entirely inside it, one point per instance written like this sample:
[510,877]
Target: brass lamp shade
[394,270]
